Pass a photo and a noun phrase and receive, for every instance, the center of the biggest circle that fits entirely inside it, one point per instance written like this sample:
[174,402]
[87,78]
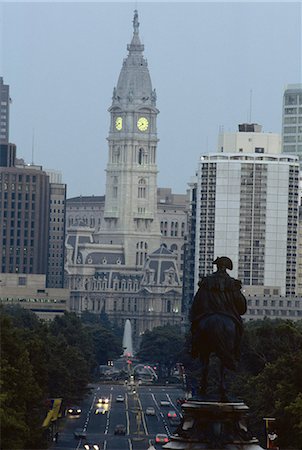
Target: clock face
[119,123]
[142,124]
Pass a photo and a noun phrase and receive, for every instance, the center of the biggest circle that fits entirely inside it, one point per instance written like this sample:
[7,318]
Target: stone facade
[171,212]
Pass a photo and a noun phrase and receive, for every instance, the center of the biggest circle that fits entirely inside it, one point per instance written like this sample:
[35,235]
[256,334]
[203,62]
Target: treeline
[42,360]
[269,376]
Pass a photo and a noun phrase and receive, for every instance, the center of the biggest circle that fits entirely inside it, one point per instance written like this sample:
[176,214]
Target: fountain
[127,339]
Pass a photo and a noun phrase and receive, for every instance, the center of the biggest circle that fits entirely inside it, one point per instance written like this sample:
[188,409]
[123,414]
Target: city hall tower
[130,215]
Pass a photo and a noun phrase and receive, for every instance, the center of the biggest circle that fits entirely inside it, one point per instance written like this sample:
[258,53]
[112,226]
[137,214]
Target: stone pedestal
[213,425]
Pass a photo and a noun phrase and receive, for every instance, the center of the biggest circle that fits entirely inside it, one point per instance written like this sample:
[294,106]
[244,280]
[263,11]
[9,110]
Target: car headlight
[95,447]
[86,447]
[70,410]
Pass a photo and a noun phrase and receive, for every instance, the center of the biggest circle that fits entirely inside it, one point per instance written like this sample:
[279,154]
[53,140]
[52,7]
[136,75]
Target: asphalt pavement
[140,429]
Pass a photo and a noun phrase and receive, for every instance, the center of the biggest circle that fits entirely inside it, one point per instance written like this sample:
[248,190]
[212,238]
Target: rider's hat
[223,261]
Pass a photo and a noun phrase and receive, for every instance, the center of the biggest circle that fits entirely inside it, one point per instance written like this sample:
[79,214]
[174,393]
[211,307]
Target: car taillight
[166,439]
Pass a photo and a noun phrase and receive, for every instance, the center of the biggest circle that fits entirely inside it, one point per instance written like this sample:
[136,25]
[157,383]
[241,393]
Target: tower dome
[134,85]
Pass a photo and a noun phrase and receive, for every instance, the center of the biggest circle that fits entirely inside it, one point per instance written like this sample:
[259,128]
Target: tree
[21,394]
[269,379]
[162,345]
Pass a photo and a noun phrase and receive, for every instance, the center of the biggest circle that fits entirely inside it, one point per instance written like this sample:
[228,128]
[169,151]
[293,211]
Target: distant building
[266,302]
[7,150]
[172,215]
[86,210]
[171,211]
[56,238]
[24,219]
[30,292]
[292,120]
[247,209]
[114,258]
[32,212]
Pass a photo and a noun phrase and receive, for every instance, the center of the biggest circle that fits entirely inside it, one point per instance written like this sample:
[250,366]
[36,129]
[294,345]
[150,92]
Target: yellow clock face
[119,123]
[142,124]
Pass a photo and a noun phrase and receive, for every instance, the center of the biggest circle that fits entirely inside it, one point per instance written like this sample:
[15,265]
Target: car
[104,400]
[79,433]
[150,411]
[120,398]
[174,421]
[100,410]
[74,411]
[165,403]
[120,429]
[171,413]
[161,438]
[89,446]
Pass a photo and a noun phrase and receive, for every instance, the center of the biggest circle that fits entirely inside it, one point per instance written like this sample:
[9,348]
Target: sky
[213,65]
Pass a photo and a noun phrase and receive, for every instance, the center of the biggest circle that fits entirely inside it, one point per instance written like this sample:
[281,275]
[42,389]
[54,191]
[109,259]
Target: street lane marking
[154,399]
[108,415]
[127,415]
[105,445]
[143,416]
[130,444]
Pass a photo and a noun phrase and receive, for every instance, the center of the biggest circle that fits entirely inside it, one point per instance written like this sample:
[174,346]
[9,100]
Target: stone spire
[134,84]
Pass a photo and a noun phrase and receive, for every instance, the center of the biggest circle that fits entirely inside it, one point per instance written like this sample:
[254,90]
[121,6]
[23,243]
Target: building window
[22,281]
[142,188]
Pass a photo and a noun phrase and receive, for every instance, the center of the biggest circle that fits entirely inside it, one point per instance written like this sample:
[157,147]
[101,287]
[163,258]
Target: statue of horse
[216,322]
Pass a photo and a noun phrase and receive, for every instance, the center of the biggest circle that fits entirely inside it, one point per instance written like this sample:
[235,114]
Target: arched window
[141,188]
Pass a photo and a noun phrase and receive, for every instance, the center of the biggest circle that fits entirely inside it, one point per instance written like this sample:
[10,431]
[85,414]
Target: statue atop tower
[135,22]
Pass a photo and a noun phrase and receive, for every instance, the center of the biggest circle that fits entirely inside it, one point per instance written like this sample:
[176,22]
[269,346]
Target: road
[140,428]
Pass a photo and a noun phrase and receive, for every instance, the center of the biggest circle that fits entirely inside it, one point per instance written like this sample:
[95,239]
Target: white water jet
[127,339]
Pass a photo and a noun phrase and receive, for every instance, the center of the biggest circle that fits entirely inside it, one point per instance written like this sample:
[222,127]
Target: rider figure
[218,293]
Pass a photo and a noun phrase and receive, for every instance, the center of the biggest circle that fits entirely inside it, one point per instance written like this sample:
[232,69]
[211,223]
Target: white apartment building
[247,209]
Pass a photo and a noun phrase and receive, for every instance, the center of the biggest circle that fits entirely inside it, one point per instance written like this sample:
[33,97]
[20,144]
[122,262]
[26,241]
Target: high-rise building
[32,212]
[4,112]
[56,239]
[24,219]
[247,209]
[120,267]
[7,150]
[292,120]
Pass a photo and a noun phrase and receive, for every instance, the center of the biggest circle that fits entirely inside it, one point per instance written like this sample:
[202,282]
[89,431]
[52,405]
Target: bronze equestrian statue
[216,323]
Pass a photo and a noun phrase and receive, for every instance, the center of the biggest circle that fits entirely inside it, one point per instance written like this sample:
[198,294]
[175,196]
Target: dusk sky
[62,61]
